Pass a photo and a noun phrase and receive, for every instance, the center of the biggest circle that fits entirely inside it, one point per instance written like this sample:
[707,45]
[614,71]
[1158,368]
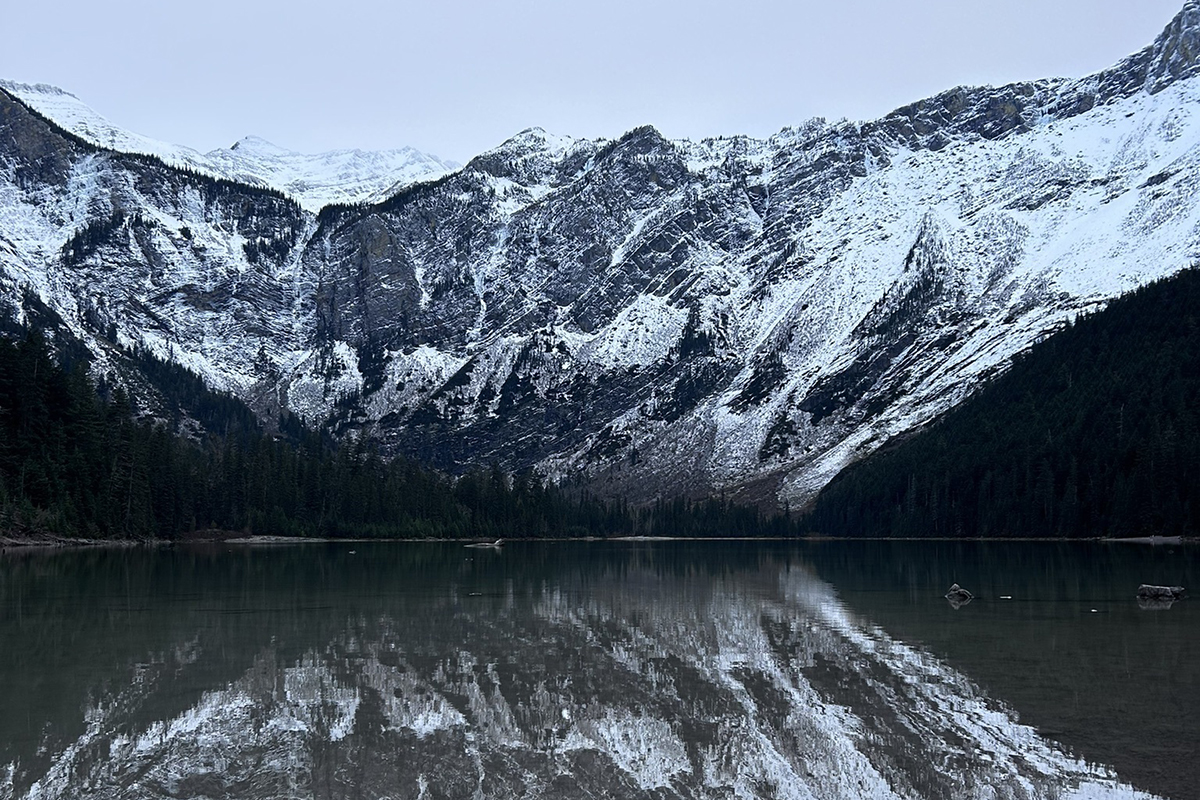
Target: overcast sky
[456,77]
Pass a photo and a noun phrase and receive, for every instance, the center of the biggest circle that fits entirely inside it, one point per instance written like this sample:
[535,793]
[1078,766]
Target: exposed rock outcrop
[645,316]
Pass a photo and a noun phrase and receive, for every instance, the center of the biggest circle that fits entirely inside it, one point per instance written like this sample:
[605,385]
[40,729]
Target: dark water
[668,669]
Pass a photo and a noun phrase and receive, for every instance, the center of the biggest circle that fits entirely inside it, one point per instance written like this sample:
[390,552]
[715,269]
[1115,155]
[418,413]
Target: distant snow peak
[315,181]
[646,316]
[320,179]
[260,146]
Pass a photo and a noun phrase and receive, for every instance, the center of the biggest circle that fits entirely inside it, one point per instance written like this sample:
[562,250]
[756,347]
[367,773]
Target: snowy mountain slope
[661,314]
[339,176]
[642,315]
[126,249]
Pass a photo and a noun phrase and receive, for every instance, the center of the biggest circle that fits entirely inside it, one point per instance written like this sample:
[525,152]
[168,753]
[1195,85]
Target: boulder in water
[1169,593]
[959,596]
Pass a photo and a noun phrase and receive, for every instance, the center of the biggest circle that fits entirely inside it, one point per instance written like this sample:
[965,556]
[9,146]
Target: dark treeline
[1093,432]
[75,462]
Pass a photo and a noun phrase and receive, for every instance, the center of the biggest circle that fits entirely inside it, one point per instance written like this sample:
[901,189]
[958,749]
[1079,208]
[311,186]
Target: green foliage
[1093,432]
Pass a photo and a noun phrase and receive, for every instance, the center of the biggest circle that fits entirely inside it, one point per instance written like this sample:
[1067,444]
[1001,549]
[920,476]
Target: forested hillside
[1093,432]
[74,462]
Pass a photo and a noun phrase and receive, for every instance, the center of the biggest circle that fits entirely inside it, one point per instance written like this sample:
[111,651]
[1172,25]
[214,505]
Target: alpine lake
[600,669]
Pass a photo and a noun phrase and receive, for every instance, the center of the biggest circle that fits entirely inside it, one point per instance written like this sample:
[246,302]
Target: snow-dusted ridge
[652,316]
[338,176]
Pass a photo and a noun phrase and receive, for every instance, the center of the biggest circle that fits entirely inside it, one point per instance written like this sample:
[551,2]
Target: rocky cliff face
[644,315]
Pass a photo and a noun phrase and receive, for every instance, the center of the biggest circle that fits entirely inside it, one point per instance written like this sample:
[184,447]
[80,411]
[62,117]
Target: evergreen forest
[1094,432]
[78,460]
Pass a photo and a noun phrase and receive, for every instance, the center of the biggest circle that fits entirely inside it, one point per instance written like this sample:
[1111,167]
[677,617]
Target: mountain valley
[639,316]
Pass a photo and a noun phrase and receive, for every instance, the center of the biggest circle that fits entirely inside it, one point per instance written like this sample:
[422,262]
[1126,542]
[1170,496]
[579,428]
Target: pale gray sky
[457,77]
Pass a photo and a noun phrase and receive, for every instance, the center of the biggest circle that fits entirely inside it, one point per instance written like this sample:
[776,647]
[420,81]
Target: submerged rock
[959,596]
[1169,593]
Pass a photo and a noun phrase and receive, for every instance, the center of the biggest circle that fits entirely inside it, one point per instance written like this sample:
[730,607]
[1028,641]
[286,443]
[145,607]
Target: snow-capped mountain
[644,315]
[339,176]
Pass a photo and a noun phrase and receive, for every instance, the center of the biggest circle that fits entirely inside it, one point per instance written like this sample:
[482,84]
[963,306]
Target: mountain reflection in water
[414,671]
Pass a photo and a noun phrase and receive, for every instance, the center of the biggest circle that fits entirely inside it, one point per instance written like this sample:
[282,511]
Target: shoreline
[49,542]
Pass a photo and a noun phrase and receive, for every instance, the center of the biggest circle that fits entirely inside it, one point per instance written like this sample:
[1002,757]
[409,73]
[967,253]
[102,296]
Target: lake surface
[599,669]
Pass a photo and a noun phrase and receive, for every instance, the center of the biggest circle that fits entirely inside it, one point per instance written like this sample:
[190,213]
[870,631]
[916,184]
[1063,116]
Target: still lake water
[599,669]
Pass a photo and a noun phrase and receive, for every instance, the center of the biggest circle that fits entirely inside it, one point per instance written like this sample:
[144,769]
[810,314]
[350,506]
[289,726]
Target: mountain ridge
[1092,432]
[314,180]
[640,315]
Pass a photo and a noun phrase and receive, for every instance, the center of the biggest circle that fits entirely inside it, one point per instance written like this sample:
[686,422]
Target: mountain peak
[538,138]
[1175,54]
[1172,57]
[259,145]
[346,176]
[533,143]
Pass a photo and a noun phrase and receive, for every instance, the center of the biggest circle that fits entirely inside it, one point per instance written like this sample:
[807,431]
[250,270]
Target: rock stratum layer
[642,315]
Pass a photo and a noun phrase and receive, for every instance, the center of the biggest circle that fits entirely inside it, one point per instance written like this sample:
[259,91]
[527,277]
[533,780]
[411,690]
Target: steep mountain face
[1094,432]
[642,315]
[339,176]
